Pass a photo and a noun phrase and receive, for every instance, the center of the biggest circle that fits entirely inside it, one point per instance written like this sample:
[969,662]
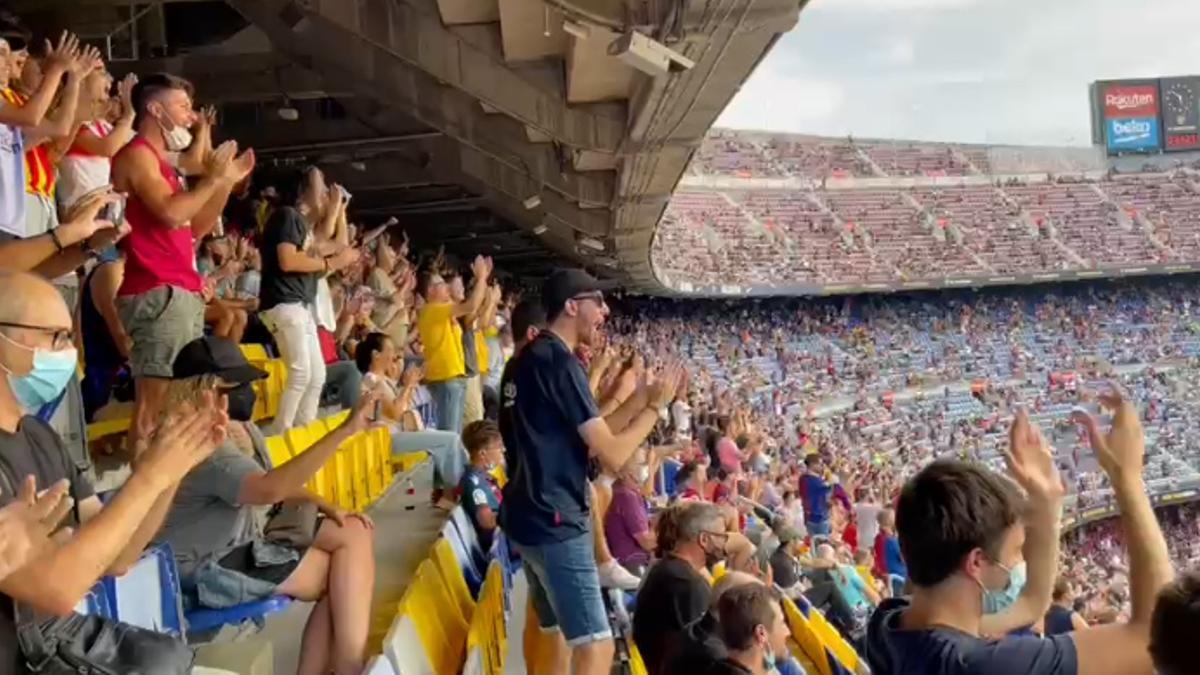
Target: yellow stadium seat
[371,455]
[487,632]
[360,451]
[636,665]
[337,419]
[343,484]
[278,450]
[806,638]
[383,447]
[98,430]
[718,571]
[447,564]
[261,400]
[298,440]
[833,641]
[500,475]
[443,634]
[255,354]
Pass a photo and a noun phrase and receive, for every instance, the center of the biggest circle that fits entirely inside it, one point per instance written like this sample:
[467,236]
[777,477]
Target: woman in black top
[291,265]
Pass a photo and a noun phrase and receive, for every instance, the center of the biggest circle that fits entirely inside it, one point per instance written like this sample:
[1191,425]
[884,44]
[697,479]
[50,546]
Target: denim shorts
[821,529]
[565,588]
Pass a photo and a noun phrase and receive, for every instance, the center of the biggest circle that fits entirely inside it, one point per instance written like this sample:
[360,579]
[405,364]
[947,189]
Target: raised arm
[122,131]
[614,449]
[1122,648]
[58,60]
[1031,463]
[287,481]
[482,269]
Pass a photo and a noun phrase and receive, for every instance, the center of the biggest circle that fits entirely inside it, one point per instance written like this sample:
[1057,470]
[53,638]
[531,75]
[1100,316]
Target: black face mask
[241,403]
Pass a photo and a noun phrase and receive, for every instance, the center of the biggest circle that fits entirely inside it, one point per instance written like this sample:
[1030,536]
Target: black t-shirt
[943,651]
[671,614]
[783,568]
[33,450]
[544,402]
[286,226]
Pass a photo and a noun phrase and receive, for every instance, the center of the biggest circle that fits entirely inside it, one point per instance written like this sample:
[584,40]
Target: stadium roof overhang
[502,127]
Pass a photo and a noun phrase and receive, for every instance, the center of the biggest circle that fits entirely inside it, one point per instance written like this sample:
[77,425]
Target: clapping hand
[1031,462]
[1121,452]
[27,522]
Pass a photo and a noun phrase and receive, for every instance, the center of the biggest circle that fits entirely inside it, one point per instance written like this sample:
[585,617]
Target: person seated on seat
[37,352]
[627,522]
[675,594]
[690,482]
[752,627]
[318,552]
[480,494]
[1175,625]
[380,364]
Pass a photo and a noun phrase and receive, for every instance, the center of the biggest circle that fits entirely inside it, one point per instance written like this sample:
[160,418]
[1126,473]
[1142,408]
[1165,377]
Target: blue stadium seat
[202,620]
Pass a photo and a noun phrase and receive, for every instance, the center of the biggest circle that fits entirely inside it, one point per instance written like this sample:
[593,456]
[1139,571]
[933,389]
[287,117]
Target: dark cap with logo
[565,284]
[215,356]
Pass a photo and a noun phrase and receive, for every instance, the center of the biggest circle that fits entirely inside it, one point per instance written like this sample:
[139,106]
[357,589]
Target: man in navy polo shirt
[552,426]
[964,530]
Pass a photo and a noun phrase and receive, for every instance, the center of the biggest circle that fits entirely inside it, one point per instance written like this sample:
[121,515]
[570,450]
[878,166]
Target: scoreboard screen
[1146,116]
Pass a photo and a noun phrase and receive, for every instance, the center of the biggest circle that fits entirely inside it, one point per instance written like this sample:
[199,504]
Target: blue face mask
[46,381]
[998,601]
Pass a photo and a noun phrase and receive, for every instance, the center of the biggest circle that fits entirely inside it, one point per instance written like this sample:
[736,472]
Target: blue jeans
[818,529]
[448,453]
[565,588]
[449,397]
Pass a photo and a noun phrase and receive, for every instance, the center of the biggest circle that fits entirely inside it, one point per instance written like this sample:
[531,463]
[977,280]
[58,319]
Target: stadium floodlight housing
[648,55]
[532,202]
[540,229]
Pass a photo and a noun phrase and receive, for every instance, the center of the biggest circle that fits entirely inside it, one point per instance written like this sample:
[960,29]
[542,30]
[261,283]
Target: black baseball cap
[215,356]
[565,284]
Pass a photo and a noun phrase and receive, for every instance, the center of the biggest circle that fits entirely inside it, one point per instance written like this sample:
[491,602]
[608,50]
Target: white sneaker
[613,575]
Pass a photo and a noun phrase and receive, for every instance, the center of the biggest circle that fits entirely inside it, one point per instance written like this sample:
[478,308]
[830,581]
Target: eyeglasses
[61,337]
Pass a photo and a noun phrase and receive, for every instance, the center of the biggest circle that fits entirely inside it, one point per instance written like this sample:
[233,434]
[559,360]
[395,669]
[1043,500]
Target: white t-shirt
[81,172]
[867,520]
[681,415]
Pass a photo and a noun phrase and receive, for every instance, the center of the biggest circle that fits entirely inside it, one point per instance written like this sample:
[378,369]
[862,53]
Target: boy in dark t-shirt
[480,495]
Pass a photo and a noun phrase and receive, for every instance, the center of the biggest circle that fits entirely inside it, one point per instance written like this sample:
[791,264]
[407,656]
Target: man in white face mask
[160,301]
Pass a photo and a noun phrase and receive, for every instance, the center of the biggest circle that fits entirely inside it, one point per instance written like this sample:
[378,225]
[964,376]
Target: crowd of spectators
[889,232]
[845,455]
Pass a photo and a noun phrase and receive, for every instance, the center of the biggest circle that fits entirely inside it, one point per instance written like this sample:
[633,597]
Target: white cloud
[777,102]
[1013,71]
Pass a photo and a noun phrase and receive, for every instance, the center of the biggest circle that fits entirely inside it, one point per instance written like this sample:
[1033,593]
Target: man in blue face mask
[965,530]
[37,358]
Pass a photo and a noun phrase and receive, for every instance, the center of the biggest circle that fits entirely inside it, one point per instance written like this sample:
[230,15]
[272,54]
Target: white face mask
[177,138]
[643,473]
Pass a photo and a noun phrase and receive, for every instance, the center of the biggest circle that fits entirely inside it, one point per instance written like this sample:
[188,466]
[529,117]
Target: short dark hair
[1175,624]
[742,609]
[1062,588]
[424,279]
[152,85]
[949,509]
[527,314]
[365,351]
[477,435]
[686,472]
[292,182]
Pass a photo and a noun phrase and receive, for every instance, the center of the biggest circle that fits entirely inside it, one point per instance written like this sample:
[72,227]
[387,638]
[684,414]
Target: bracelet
[54,238]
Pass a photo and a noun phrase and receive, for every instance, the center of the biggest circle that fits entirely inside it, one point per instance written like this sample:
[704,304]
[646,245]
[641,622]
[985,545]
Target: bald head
[825,552]
[730,580]
[30,299]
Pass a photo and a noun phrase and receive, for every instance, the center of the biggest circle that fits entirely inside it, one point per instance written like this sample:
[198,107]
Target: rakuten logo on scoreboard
[1128,101]
[1133,135]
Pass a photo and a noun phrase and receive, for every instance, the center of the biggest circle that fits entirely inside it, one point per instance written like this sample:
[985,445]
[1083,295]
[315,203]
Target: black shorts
[241,559]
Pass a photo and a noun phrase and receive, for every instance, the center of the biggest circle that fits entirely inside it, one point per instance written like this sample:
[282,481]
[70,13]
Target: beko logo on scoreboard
[1133,134]
[1131,101]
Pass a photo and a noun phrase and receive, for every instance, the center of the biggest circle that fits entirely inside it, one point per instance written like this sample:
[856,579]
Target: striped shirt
[39,170]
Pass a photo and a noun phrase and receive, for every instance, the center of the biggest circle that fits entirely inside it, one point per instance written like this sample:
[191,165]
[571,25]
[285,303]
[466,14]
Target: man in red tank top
[160,300]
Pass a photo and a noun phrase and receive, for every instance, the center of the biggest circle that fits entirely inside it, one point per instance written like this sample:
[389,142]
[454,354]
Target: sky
[969,71]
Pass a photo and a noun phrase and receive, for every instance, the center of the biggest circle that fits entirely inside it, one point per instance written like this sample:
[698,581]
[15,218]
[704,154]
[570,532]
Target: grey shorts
[160,321]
